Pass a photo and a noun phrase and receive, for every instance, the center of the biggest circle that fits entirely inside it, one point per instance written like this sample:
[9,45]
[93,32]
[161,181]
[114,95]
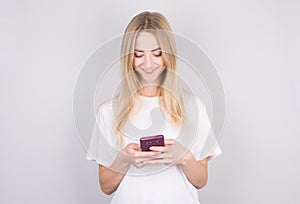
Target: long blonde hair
[171,99]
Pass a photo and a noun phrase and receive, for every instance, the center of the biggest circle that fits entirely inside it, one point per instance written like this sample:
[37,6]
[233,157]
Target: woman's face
[148,60]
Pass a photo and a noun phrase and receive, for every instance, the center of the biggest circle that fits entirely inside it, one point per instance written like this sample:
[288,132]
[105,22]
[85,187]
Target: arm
[110,178]
[195,171]
[175,153]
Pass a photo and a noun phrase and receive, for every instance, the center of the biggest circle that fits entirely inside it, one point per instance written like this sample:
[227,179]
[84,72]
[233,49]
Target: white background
[254,45]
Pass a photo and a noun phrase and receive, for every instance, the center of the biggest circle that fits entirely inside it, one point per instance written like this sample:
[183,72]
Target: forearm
[110,178]
[195,171]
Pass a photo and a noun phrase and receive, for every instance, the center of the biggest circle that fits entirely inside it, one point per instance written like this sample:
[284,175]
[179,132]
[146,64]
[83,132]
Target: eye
[157,53]
[138,55]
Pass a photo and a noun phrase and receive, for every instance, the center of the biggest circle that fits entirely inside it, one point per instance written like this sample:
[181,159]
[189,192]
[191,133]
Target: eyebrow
[138,50]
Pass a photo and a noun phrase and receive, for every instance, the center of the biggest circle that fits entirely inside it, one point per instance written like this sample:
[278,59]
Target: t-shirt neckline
[149,97]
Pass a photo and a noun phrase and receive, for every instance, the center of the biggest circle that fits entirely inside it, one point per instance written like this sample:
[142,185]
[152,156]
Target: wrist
[121,162]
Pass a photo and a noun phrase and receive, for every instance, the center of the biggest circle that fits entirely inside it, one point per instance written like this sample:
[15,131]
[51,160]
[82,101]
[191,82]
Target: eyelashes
[138,55]
[158,53]
[141,54]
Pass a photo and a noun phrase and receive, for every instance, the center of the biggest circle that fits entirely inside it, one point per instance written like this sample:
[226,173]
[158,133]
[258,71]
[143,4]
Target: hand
[172,153]
[132,155]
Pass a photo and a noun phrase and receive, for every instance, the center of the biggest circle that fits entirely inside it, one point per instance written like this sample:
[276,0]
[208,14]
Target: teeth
[149,70]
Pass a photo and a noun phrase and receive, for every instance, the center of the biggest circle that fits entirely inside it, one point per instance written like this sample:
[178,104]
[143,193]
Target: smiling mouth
[149,70]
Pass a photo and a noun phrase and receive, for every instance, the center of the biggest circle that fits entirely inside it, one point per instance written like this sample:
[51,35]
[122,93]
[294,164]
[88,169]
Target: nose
[148,61]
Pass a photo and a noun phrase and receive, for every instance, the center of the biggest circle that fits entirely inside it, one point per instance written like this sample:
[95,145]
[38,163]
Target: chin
[151,82]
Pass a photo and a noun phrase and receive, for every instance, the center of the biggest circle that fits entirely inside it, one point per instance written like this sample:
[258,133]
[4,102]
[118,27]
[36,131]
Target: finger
[140,165]
[132,146]
[157,148]
[139,154]
[158,161]
[141,160]
[160,156]
[170,141]
[136,146]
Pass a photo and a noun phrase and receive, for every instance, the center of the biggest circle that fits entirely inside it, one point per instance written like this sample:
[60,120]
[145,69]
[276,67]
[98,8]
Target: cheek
[160,61]
[137,62]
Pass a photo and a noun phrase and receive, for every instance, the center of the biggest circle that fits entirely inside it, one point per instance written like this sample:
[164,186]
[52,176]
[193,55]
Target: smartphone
[148,141]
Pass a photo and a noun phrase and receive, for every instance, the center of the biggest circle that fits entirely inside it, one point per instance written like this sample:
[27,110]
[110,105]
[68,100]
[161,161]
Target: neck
[150,91]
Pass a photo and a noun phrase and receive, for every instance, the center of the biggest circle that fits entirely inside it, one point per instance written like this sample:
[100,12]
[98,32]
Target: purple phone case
[148,141]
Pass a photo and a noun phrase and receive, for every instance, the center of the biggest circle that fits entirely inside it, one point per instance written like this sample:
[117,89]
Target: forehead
[146,41]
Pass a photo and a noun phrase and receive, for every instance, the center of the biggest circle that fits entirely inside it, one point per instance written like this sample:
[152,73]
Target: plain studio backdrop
[253,44]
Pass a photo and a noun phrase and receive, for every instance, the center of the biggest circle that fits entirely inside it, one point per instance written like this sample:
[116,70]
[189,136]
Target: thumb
[157,148]
[169,141]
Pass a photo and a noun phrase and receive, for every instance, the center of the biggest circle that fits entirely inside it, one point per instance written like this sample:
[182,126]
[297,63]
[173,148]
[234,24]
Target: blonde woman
[172,173]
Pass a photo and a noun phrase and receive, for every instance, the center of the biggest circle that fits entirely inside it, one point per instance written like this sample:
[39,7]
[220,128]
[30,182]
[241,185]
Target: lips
[149,70]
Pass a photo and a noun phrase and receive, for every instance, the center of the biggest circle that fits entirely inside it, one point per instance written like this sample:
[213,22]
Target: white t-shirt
[153,183]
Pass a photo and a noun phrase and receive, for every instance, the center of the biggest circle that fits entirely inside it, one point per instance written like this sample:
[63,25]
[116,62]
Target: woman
[167,174]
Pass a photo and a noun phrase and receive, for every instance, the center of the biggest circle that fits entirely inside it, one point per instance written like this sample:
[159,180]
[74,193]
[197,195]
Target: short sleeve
[206,143]
[101,148]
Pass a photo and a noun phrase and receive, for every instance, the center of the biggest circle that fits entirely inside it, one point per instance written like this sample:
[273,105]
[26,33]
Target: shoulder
[105,107]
